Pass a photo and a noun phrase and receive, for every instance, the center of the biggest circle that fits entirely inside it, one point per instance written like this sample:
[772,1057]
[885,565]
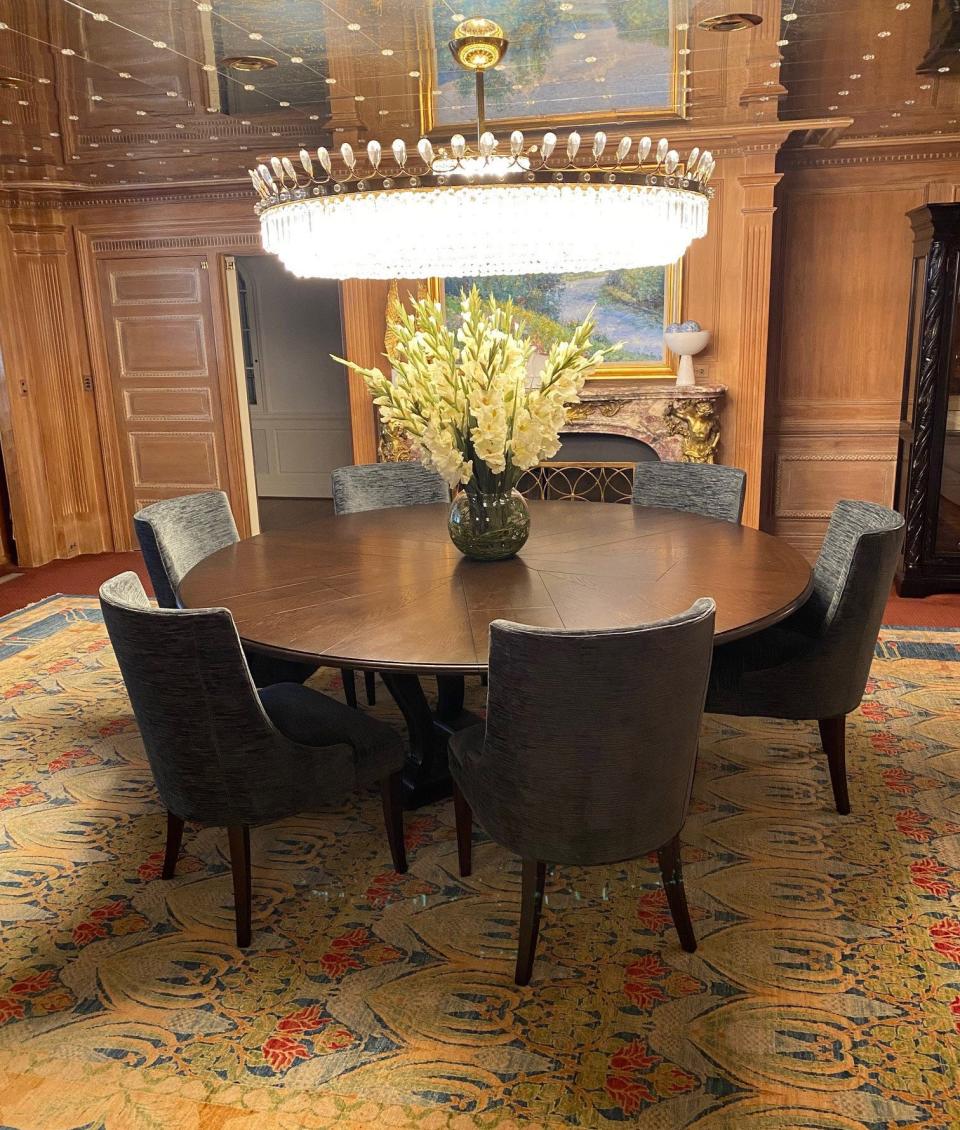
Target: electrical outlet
[700,374]
[23,386]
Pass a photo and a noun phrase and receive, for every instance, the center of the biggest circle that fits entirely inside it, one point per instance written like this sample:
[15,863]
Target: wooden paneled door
[172,386]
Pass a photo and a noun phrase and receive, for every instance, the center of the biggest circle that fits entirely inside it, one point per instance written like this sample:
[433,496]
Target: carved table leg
[425,775]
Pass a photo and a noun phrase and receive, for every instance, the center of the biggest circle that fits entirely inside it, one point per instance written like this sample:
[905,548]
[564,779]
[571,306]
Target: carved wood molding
[819,457]
[105,245]
[920,449]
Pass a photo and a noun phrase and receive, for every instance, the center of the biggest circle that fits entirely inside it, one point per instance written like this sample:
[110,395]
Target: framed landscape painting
[568,62]
[630,306]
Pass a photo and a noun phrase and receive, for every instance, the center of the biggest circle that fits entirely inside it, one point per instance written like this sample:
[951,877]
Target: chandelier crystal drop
[495,207]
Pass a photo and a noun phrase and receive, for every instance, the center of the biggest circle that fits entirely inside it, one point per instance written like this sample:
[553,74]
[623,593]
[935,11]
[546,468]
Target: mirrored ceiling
[157,91]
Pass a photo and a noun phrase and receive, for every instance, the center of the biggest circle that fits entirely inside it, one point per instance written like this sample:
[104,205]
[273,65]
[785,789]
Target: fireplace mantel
[680,424]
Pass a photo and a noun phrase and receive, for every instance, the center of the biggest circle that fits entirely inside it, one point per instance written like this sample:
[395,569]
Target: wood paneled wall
[126,402]
[841,294]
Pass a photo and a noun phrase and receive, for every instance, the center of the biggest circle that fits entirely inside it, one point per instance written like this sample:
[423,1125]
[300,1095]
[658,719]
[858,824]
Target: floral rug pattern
[825,992]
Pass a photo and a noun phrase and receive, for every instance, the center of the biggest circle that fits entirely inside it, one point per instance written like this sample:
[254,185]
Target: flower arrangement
[465,400]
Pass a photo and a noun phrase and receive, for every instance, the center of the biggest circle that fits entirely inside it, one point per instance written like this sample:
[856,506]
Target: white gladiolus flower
[461,396]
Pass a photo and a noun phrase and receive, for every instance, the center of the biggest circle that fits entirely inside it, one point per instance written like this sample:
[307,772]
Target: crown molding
[852,151]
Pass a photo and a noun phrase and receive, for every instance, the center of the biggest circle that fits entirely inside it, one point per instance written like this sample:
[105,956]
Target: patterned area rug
[825,993]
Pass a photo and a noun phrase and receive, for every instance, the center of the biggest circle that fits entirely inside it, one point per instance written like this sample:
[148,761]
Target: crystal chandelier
[472,210]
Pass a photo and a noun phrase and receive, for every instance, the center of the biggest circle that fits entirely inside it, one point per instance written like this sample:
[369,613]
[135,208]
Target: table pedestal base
[426,776]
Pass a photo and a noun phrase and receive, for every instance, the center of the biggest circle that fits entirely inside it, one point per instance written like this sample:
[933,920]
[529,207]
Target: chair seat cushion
[754,676]
[310,718]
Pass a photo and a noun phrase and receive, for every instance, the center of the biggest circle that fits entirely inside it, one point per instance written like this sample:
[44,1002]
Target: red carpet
[82,576]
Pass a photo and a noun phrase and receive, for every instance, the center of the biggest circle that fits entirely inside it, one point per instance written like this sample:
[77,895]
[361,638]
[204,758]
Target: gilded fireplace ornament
[697,424]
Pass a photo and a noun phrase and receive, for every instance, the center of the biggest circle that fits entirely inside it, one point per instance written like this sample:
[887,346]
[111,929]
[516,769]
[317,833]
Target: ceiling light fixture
[535,209]
[731,21]
[249,62]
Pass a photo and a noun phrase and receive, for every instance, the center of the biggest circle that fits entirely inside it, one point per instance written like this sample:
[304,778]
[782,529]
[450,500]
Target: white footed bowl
[687,344]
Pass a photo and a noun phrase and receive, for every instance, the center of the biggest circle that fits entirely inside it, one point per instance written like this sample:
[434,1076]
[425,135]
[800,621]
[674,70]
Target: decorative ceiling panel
[138,91]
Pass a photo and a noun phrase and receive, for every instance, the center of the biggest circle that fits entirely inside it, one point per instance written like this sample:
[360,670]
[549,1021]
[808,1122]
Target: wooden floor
[84,575]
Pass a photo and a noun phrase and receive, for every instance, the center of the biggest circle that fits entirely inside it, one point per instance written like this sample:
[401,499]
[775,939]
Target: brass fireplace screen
[581,482]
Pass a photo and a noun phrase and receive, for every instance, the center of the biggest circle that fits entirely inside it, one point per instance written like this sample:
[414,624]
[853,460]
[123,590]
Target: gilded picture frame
[430,52]
[654,369]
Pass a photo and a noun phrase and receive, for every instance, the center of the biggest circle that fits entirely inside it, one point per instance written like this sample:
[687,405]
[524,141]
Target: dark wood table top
[387,589]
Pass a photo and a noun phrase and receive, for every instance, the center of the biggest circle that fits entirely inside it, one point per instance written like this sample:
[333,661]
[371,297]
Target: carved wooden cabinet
[928,472]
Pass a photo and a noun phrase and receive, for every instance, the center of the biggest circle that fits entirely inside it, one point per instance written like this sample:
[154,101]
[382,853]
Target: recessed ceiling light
[100,17]
[680,27]
[254,35]
[249,62]
[159,44]
[843,93]
[884,34]
[856,75]
[414,74]
[209,68]
[330,81]
[296,59]
[314,117]
[783,42]
[67,51]
[353,27]
[359,98]
[387,51]
[284,103]
[121,74]
[731,21]
[44,81]
[789,17]
[942,70]
[141,113]
[926,86]
[903,5]
[868,58]
[833,107]
[249,86]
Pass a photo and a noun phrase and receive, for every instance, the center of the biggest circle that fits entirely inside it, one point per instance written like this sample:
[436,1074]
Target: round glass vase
[489,527]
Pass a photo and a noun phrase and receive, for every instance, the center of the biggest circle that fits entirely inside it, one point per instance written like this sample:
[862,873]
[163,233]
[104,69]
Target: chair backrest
[205,731]
[177,533]
[591,737]
[851,586]
[698,488]
[376,486]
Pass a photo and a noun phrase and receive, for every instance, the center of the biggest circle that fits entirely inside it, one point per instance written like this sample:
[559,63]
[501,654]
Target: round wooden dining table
[387,591]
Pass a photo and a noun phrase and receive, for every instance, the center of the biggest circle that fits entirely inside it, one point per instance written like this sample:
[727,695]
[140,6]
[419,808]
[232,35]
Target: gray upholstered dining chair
[380,486]
[698,488]
[177,533]
[558,782]
[815,664]
[376,486]
[224,755]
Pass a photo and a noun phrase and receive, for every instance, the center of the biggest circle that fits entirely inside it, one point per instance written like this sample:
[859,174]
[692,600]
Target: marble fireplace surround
[680,424]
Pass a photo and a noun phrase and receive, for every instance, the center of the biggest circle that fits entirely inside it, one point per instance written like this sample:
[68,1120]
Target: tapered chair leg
[833,735]
[370,681]
[464,818]
[174,839]
[672,873]
[391,792]
[239,836]
[531,900]
[349,686]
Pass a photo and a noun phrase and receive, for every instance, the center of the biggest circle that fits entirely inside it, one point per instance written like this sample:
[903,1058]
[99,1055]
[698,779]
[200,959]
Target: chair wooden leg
[370,681]
[239,835]
[833,735]
[349,686]
[672,873]
[391,792]
[531,900]
[464,817]
[174,839]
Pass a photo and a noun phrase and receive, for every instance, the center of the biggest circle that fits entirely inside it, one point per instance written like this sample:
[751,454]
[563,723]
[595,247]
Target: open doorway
[285,329]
